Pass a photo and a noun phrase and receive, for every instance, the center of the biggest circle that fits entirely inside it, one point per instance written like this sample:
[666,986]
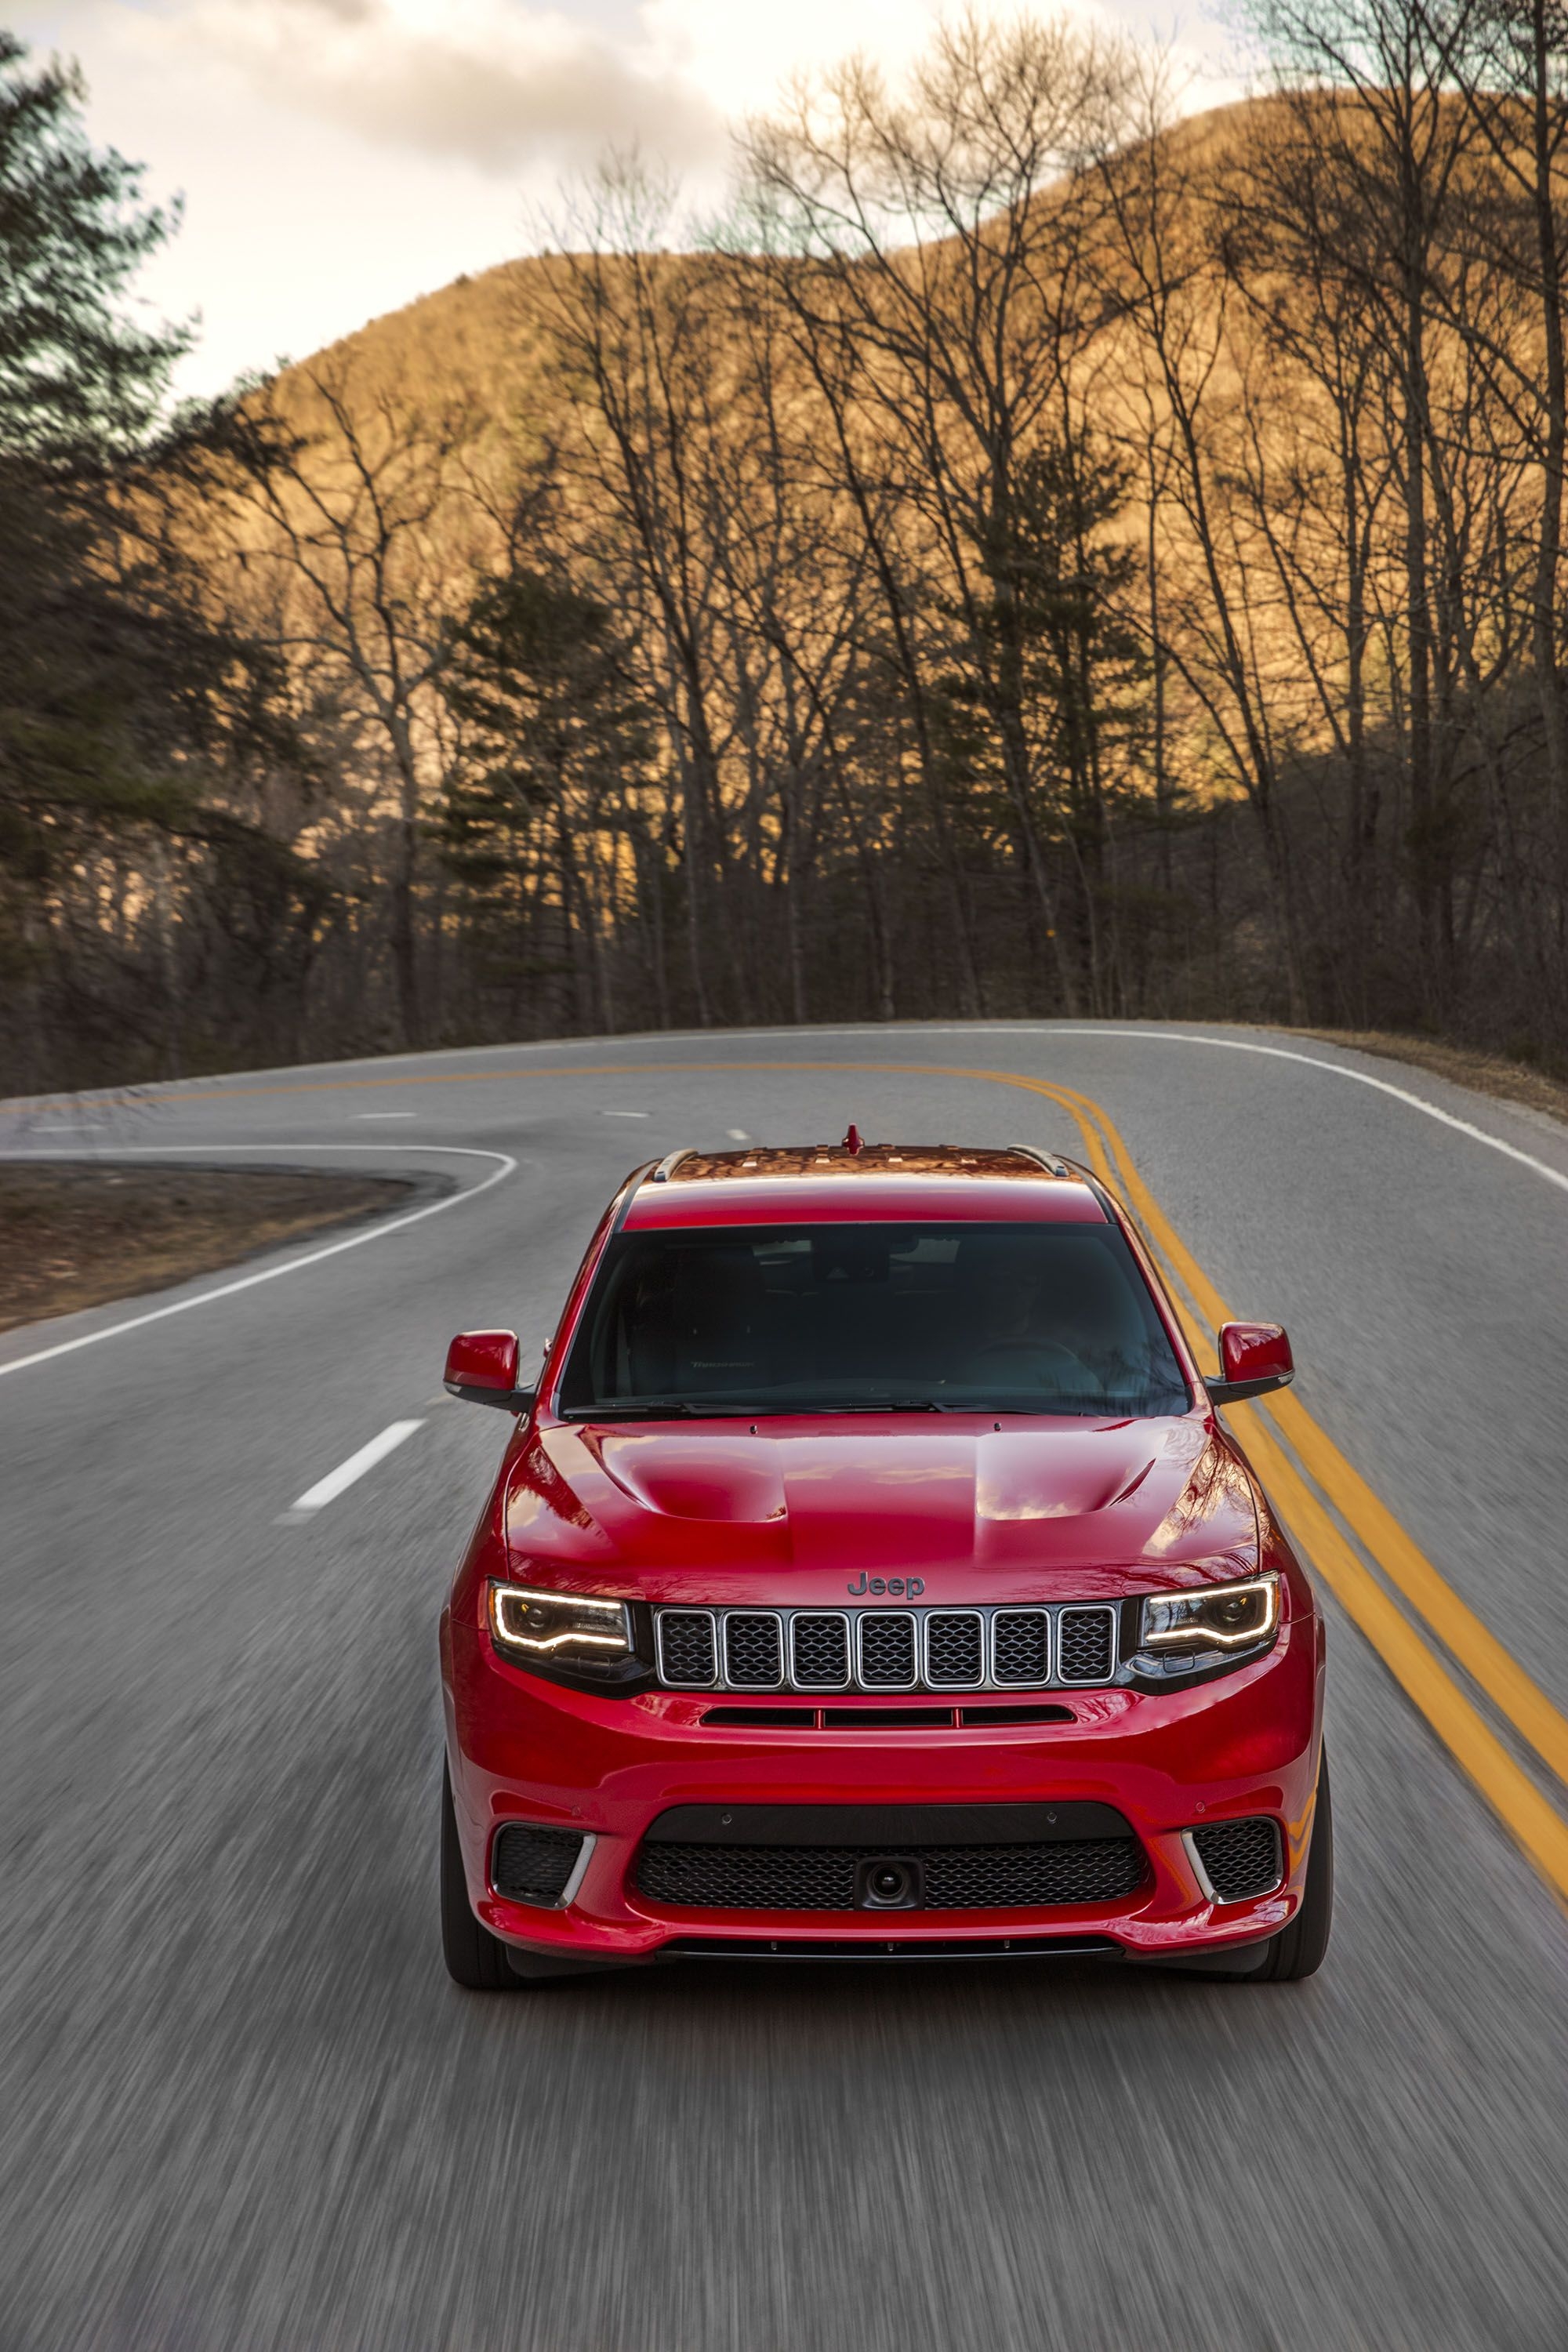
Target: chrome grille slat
[1086,1644]
[688,1648]
[820,1649]
[754,1649]
[886,1649]
[1021,1648]
[1006,1646]
[954,1649]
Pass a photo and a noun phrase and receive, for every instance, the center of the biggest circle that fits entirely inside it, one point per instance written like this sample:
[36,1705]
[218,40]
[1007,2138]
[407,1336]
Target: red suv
[870,1576]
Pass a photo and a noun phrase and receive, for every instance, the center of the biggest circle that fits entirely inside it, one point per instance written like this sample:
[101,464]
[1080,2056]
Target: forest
[1037,553]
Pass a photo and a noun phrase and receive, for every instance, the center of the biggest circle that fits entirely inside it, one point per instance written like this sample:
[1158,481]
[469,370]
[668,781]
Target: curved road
[244,2108]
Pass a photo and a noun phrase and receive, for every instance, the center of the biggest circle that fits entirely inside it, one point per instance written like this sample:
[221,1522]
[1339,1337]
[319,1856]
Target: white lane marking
[63,1127]
[737,1135]
[221,1151]
[327,1490]
[625,1114]
[389,1114]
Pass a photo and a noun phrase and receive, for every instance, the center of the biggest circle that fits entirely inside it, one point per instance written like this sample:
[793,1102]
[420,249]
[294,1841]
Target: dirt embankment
[74,1235]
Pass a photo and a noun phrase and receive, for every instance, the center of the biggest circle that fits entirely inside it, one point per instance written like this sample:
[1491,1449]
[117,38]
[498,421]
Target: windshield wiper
[877,1405]
[696,1408]
[650,1409]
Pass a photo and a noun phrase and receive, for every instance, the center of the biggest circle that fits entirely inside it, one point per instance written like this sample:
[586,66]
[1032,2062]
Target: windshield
[917,1318]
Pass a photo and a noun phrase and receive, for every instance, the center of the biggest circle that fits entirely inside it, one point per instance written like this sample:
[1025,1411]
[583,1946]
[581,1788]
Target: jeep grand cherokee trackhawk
[870,1575]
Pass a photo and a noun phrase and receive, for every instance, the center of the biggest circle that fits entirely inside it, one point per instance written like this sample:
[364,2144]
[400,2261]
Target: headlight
[1213,1617]
[559,1629]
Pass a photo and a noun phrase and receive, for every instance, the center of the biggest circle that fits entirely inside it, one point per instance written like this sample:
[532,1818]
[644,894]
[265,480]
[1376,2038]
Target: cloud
[488,82]
[340,156]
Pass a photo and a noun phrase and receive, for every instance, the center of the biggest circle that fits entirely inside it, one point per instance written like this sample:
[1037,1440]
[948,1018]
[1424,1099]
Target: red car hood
[1086,1510]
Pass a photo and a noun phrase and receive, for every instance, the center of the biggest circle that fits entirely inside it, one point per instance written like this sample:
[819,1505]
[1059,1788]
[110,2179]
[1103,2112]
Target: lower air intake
[1242,1858]
[530,1865]
[956,1877]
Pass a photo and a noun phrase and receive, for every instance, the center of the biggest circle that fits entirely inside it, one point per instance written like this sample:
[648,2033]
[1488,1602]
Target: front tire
[474,1958]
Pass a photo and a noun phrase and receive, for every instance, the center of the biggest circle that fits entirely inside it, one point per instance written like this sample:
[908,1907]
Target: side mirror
[481,1369]
[1253,1358]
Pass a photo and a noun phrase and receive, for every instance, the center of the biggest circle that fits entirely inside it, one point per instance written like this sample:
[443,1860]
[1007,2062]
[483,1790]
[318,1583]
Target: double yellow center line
[1324,1498]
[1317,1476]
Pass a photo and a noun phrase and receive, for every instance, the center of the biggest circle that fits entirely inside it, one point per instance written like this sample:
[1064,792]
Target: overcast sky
[339,157]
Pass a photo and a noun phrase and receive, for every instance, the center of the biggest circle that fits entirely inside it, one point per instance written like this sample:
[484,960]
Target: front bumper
[522,1749]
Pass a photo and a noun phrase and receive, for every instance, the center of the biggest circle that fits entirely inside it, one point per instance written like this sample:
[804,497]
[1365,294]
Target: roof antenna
[852,1141]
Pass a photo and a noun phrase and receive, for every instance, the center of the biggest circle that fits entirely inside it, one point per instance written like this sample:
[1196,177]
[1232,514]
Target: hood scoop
[732,1479]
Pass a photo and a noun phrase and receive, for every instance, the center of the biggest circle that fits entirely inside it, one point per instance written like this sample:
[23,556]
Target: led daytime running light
[557,1627]
[1178,1621]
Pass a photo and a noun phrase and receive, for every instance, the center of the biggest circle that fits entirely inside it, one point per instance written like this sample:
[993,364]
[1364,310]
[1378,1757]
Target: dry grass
[73,1236]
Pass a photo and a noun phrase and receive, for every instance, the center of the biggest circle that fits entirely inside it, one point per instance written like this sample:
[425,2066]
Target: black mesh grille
[955,1647]
[1084,1645]
[822,1650]
[753,1653]
[887,1647]
[957,1877]
[940,1649]
[686,1641]
[531,1865]
[1021,1646]
[1242,1858]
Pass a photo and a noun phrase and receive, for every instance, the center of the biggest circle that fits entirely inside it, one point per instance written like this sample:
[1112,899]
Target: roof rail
[1047,1159]
[670,1163]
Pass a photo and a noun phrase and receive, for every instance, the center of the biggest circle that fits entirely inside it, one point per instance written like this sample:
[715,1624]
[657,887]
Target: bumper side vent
[1242,1858]
[533,1865]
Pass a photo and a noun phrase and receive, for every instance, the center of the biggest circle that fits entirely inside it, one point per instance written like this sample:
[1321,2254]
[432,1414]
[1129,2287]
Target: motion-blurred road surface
[242,2106]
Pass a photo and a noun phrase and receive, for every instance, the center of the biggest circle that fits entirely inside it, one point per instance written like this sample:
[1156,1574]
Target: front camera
[889,1882]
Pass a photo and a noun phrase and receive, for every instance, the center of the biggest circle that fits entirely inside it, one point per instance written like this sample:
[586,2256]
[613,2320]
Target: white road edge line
[327,1490]
[1361,1078]
[661,1042]
[269,1273]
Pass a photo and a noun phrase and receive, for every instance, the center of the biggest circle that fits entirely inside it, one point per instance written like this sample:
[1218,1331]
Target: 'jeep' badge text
[908,1587]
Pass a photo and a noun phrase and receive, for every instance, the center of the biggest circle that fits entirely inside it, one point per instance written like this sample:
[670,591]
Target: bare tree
[960,346]
[352,516]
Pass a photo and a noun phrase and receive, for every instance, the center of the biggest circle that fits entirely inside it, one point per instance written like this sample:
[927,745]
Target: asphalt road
[240,2104]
